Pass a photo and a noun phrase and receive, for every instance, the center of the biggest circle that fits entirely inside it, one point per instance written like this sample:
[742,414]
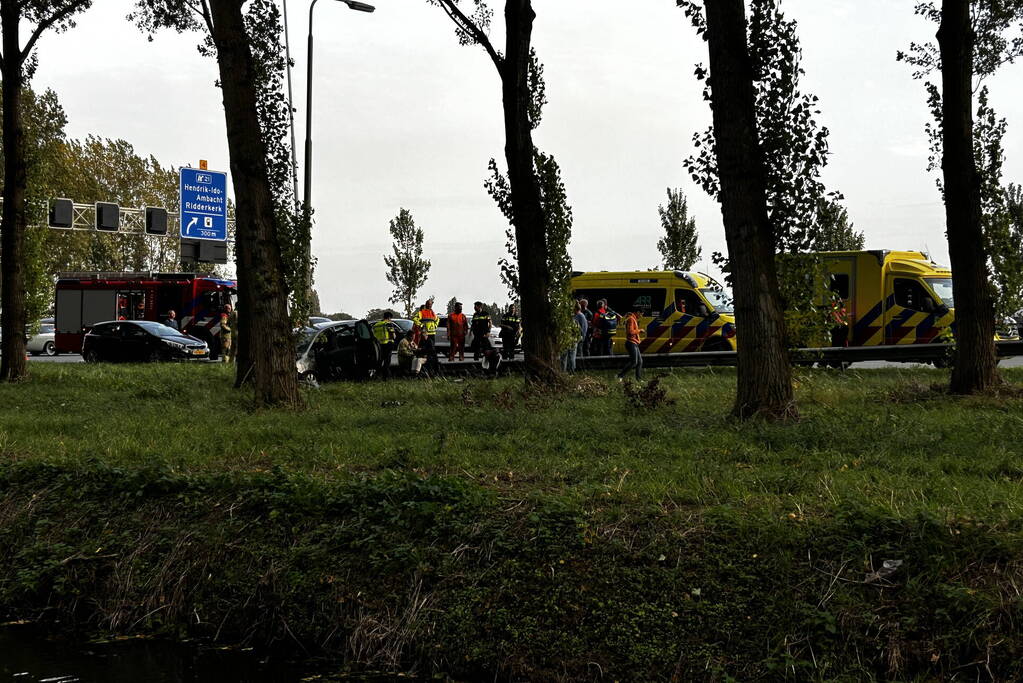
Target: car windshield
[719,299]
[943,288]
[159,329]
[304,338]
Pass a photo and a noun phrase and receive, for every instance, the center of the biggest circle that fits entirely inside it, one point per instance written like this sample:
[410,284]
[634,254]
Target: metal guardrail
[901,353]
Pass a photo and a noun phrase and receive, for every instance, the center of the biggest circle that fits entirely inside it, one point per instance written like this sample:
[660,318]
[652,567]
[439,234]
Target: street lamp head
[358,6]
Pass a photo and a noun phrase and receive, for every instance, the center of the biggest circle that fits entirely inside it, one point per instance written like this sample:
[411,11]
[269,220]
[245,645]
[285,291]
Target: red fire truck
[84,299]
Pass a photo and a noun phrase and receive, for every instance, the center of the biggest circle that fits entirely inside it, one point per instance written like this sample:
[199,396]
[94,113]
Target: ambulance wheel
[49,349]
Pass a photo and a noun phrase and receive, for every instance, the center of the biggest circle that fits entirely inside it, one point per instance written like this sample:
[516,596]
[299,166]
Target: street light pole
[291,109]
[308,195]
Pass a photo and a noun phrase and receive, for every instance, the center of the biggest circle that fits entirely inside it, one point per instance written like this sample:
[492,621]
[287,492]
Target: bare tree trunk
[976,362]
[530,227]
[266,331]
[764,375]
[12,227]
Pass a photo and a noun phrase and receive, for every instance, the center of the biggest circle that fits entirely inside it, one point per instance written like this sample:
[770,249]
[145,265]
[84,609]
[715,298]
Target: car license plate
[198,352]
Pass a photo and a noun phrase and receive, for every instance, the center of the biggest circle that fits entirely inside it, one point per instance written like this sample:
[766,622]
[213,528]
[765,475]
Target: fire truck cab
[84,299]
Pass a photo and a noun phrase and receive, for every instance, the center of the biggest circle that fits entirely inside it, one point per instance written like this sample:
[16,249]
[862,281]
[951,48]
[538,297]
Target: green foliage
[808,303]
[998,37]
[342,316]
[678,246]
[90,170]
[376,314]
[836,232]
[407,269]
[558,225]
[293,231]
[793,144]
[998,29]
[1005,232]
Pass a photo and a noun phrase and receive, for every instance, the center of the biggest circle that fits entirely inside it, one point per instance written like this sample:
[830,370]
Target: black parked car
[140,340]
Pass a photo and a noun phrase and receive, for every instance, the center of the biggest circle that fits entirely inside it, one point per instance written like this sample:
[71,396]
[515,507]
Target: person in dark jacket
[172,320]
[479,327]
[511,330]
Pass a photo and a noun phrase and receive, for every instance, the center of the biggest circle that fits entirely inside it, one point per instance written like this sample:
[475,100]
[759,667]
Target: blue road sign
[203,204]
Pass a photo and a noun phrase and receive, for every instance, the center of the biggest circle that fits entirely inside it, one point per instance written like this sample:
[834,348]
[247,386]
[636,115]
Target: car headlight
[174,345]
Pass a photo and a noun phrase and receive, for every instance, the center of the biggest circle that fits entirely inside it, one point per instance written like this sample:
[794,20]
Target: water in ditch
[26,656]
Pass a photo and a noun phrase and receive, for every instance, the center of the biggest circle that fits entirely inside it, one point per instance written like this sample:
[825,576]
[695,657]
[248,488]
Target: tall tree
[678,247]
[836,232]
[792,142]
[249,56]
[764,384]
[17,62]
[1007,252]
[523,95]
[407,270]
[973,42]
[976,362]
[558,230]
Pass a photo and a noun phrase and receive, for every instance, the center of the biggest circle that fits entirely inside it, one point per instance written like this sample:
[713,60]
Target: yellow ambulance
[678,311]
[889,297]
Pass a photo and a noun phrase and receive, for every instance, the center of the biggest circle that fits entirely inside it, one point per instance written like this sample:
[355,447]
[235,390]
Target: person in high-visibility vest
[425,321]
[383,330]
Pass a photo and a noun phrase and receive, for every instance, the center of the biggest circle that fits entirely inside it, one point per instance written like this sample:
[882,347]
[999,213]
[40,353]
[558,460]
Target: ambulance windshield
[719,299]
[943,288]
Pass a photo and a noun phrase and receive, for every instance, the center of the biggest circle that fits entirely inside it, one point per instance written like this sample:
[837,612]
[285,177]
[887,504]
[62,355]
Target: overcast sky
[405,117]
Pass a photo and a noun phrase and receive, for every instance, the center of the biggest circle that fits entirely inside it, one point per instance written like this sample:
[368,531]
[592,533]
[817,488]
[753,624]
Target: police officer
[480,328]
[383,330]
[511,328]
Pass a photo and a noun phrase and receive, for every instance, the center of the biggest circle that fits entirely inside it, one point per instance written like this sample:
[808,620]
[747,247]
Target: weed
[647,396]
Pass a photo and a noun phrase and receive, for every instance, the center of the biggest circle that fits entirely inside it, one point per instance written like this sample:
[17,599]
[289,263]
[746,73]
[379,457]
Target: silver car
[442,341]
[42,343]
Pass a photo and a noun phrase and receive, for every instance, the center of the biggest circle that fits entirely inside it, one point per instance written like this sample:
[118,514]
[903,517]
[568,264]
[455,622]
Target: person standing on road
[172,320]
[584,345]
[226,334]
[511,330]
[229,343]
[481,325]
[383,330]
[458,328]
[568,359]
[632,346]
[605,324]
[426,322]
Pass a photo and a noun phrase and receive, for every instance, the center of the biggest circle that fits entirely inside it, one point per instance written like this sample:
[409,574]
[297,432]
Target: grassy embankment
[465,528]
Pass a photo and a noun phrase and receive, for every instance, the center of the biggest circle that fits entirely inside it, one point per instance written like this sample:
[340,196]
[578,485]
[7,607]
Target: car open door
[367,350]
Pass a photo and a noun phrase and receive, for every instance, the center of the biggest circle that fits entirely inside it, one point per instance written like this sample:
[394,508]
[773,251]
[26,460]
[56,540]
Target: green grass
[472,528]
[879,436]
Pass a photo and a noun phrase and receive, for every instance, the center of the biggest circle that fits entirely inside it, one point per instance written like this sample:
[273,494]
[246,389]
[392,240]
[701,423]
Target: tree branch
[466,24]
[207,17]
[59,15]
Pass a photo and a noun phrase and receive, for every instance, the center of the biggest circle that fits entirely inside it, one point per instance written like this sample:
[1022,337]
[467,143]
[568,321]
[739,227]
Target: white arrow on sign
[195,219]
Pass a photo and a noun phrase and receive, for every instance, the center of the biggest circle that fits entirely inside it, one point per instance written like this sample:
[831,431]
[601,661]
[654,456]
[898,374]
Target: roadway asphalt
[866,365]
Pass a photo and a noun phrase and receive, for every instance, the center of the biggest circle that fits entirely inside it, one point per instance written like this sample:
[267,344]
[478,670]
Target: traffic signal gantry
[66,214]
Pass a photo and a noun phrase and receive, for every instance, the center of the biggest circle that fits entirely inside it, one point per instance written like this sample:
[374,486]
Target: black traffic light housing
[204,251]
[108,216]
[156,221]
[62,213]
